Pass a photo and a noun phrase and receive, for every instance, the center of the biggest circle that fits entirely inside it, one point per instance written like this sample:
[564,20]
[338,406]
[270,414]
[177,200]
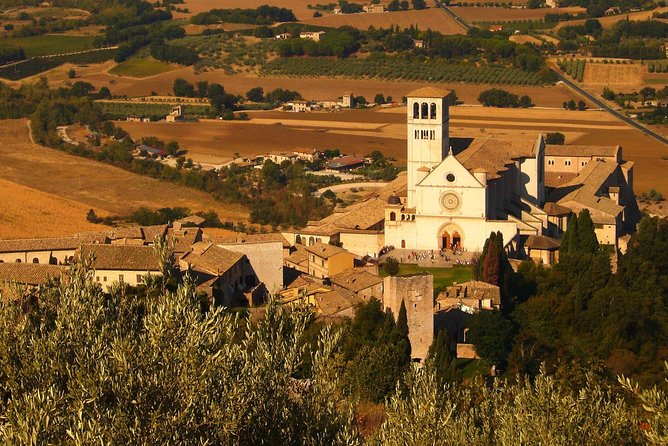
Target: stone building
[326,260]
[417,293]
[459,190]
[360,282]
[121,263]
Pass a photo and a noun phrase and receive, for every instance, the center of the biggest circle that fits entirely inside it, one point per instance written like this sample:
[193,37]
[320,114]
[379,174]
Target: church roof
[584,192]
[491,155]
[429,92]
[542,242]
[584,151]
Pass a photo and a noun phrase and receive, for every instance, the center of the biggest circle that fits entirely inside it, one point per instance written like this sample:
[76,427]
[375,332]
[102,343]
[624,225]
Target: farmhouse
[300,106]
[345,162]
[151,151]
[313,35]
[283,36]
[372,8]
[176,114]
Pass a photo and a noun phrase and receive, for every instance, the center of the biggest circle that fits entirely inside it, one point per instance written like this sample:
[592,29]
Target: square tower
[428,133]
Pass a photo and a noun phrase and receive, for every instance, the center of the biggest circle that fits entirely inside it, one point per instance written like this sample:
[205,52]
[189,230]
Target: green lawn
[473,367]
[443,277]
[141,67]
[49,44]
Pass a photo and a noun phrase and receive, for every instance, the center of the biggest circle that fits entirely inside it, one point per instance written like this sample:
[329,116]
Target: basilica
[456,191]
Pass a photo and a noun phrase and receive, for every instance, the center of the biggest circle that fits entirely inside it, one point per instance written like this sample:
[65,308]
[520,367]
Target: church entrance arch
[445,240]
[450,237]
[456,241]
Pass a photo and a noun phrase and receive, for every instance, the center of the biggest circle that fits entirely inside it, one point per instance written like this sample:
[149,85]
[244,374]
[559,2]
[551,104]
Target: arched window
[425,110]
[18,260]
[35,260]
[416,110]
[393,216]
[311,241]
[432,111]
[403,217]
[403,243]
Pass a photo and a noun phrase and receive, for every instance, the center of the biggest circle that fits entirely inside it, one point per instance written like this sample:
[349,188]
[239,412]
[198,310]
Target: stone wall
[417,292]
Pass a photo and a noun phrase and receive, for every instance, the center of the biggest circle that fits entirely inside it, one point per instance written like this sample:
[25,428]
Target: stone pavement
[430,259]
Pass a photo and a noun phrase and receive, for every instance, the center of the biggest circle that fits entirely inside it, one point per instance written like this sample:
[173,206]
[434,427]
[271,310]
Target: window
[18,260]
[322,262]
[140,278]
[35,260]
[583,163]
[550,162]
[567,162]
[417,134]
[432,111]
[416,110]
[104,278]
[120,277]
[393,216]
[97,279]
[432,134]
[425,111]
[450,178]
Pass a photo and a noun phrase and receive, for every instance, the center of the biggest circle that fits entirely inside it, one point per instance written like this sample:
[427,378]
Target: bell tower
[428,133]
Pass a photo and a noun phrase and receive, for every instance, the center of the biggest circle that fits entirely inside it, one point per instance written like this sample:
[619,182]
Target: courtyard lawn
[141,67]
[49,44]
[443,277]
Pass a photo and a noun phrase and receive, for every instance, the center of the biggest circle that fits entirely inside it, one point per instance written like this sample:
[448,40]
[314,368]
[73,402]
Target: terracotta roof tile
[356,280]
[211,259]
[122,257]
[325,250]
[29,273]
[48,244]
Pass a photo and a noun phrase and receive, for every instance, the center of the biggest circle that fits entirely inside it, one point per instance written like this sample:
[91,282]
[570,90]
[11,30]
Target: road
[463,23]
[612,111]
[633,123]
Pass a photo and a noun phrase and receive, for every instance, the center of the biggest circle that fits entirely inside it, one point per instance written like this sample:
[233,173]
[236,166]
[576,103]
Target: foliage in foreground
[82,366]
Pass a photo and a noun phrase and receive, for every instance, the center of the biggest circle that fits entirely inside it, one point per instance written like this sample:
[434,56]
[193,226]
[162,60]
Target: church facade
[456,196]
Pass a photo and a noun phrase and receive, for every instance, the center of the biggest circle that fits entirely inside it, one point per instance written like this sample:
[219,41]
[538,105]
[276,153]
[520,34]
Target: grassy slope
[49,44]
[141,67]
[443,277]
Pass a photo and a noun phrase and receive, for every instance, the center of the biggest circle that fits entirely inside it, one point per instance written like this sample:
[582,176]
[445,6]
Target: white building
[313,35]
[459,191]
[455,199]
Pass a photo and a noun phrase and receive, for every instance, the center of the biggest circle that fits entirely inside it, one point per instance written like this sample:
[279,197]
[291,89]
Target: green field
[395,68]
[49,44]
[141,67]
[443,277]
[121,110]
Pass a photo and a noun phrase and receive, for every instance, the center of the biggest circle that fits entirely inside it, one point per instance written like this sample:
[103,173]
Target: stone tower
[417,293]
[428,133]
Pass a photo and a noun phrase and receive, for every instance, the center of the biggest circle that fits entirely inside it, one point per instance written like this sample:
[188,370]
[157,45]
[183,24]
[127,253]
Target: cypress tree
[444,363]
[401,329]
[569,238]
[587,241]
[481,259]
[491,265]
